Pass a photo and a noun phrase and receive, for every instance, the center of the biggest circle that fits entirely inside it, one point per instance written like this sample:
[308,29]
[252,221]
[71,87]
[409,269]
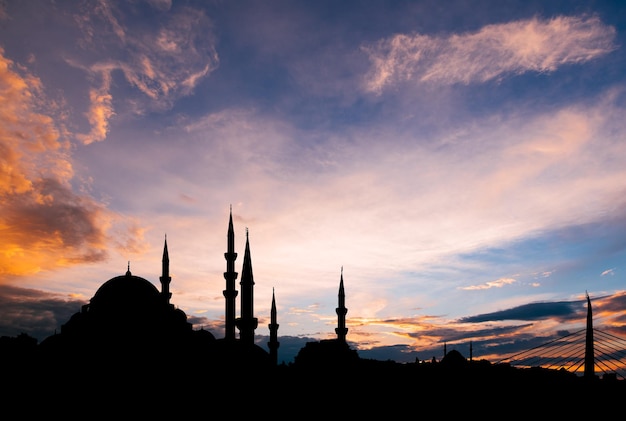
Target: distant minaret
[471,351]
[247,322]
[273,344]
[341,311]
[165,277]
[230,293]
[589,354]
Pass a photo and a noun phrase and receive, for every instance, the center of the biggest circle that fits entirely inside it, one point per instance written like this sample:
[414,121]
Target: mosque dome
[454,359]
[131,308]
[126,293]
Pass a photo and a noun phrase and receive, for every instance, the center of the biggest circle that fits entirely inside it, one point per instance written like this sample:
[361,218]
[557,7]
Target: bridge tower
[589,355]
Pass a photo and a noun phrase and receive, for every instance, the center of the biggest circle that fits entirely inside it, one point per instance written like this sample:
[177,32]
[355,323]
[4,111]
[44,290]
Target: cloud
[100,111]
[163,61]
[494,51]
[44,223]
[526,175]
[612,305]
[492,284]
[533,311]
[34,312]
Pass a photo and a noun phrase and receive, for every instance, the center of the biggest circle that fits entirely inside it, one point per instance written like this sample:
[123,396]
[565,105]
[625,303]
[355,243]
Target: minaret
[165,277]
[341,311]
[230,293]
[589,354]
[247,323]
[273,344]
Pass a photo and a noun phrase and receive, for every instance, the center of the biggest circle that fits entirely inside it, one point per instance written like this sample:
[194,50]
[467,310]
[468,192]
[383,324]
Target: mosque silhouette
[129,322]
[131,352]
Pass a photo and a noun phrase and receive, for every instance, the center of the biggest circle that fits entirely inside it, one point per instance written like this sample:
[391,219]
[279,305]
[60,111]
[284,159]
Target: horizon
[462,167]
[291,345]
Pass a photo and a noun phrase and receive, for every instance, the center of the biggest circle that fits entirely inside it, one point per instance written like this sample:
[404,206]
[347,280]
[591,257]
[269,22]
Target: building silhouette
[130,351]
[330,353]
[129,323]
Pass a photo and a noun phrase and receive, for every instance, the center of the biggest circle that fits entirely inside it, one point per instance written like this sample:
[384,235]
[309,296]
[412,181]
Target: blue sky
[464,163]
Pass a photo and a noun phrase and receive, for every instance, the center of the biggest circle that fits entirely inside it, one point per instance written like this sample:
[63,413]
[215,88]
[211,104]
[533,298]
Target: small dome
[454,359]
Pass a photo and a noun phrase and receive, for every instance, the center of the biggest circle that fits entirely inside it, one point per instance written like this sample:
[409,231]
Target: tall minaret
[341,329]
[247,322]
[165,277]
[589,354]
[273,344]
[230,293]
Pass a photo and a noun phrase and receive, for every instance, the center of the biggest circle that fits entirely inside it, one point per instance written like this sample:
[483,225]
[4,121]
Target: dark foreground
[183,388]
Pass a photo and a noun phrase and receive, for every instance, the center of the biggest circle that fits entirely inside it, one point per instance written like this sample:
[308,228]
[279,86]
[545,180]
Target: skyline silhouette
[129,316]
[114,366]
[131,303]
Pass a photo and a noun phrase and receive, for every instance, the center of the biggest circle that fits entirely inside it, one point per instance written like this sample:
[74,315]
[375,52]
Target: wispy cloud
[491,284]
[494,51]
[164,61]
[99,113]
[527,179]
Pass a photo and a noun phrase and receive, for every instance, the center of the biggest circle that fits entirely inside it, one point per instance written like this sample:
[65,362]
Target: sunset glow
[464,167]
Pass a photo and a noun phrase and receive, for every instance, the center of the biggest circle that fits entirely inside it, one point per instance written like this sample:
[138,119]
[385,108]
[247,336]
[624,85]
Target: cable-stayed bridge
[569,353]
[589,352]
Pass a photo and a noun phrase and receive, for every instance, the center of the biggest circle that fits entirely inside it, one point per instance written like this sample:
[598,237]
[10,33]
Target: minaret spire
[273,343]
[341,311]
[589,354]
[165,277]
[247,322]
[230,293]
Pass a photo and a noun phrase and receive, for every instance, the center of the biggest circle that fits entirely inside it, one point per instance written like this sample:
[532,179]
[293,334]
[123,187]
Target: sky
[461,164]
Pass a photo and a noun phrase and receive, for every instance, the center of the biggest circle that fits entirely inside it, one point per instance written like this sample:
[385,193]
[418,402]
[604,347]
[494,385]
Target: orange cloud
[99,114]
[44,223]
